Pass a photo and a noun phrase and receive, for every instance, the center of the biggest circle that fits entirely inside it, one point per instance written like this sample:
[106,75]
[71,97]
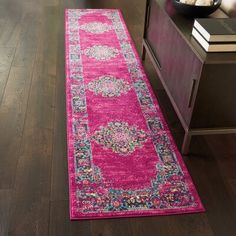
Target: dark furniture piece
[201,86]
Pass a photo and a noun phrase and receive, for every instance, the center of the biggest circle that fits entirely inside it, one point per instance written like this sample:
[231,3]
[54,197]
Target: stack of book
[215,35]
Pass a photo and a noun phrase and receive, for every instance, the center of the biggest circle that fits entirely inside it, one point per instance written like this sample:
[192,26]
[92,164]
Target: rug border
[179,157]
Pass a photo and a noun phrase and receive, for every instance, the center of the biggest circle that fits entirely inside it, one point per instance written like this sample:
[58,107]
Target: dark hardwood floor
[33,163]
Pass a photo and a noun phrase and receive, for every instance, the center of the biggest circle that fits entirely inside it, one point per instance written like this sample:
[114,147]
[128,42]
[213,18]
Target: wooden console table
[201,86]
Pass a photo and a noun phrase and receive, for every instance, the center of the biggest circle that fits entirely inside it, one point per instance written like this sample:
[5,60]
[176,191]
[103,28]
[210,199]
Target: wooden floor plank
[115,227]
[33,174]
[59,158]
[28,41]
[60,224]
[32,188]
[207,177]
[10,32]
[6,57]
[5,212]
[12,116]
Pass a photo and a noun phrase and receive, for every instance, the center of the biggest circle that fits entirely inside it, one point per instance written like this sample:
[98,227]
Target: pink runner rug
[122,159]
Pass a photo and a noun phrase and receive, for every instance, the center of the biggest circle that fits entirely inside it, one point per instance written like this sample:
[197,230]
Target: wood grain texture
[33,163]
[12,116]
[6,57]
[60,224]
[5,213]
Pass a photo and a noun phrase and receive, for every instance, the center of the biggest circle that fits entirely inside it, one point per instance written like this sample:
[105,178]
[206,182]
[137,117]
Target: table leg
[143,53]
[186,143]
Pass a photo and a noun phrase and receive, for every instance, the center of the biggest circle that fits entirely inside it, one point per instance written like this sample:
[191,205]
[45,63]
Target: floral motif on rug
[120,137]
[96,27]
[109,86]
[122,159]
[101,52]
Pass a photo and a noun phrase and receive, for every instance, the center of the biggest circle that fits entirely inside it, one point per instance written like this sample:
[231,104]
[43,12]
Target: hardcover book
[213,46]
[217,30]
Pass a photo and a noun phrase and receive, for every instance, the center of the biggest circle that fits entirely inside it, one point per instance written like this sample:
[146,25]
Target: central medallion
[109,86]
[120,137]
[96,27]
[101,52]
